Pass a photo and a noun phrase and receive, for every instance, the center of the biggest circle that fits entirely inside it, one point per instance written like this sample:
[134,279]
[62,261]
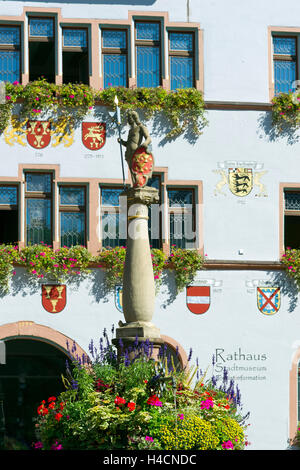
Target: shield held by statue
[38,134]
[240,181]
[93,135]
[54,297]
[141,166]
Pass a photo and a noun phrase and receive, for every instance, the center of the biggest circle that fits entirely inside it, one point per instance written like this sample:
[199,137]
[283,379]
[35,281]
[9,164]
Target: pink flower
[15,82]
[71,96]
[8,97]
[207,404]
[149,439]
[33,271]
[181,416]
[227,445]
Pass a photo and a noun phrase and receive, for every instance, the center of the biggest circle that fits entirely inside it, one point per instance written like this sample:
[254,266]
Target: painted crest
[54,297]
[240,181]
[38,134]
[119,298]
[141,166]
[93,135]
[268,299]
[198,298]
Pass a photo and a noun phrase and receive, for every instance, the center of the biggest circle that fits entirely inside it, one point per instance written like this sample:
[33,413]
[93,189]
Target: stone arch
[34,331]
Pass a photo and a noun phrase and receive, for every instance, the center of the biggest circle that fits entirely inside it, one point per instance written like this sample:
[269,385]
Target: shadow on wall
[275,132]
[288,288]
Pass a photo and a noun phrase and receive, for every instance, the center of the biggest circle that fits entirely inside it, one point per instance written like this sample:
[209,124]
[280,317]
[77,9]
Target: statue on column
[139,160]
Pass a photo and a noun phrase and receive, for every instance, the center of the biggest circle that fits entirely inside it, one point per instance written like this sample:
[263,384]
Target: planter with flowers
[137,403]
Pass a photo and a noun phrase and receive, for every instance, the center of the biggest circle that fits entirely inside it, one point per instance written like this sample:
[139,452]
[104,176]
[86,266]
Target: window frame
[285,57]
[39,195]
[14,47]
[148,43]
[72,208]
[115,51]
[53,39]
[161,210]
[177,53]
[182,210]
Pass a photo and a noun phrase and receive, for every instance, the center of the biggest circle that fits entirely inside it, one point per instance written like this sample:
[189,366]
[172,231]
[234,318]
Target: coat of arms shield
[93,135]
[268,299]
[38,134]
[240,181]
[198,298]
[118,298]
[54,297]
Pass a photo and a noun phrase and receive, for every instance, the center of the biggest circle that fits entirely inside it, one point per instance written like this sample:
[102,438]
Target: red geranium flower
[51,399]
[51,405]
[58,416]
[154,401]
[120,401]
[131,406]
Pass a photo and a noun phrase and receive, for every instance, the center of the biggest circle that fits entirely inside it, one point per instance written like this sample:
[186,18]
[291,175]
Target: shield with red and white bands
[38,134]
[198,298]
[93,135]
[54,297]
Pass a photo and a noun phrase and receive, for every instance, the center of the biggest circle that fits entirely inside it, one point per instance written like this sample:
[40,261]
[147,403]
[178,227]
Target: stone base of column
[132,335]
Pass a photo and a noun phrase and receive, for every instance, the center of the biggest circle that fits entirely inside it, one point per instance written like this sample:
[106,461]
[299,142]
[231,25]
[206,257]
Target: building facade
[236,184]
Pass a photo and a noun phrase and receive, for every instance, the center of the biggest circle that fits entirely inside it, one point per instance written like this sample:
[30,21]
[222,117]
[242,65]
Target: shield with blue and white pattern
[268,299]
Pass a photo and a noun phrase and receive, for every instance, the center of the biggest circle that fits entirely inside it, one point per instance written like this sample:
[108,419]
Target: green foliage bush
[132,401]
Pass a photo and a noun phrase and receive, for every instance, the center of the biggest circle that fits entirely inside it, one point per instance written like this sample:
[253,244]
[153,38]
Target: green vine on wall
[42,261]
[183,107]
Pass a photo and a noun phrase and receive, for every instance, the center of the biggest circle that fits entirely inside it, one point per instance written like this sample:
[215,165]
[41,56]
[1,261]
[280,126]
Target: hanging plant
[183,108]
[291,260]
[185,264]
[286,110]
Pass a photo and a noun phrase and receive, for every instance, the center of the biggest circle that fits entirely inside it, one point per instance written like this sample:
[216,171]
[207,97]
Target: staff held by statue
[116,101]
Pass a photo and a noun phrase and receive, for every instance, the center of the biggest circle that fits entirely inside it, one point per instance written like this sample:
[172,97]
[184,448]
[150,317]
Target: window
[75,56]
[181,52]
[114,57]
[292,219]
[38,204]
[181,208]
[285,63]
[148,60]
[9,226]
[10,55]
[72,203]
[114,223]
[41,49]
[155,215]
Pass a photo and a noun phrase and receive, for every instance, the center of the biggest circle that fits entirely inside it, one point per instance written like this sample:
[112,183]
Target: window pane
[181,41]
[41,27]
[112,38]
[148,68]
[283,45]
[38,221]
[72,196]
[284,75]
[292,231]
[111,230]
[9,66]
[181,230]
[180,197]
[9,35]
[114,70]
[38,182]
[292,201]
[72,228]
[181,72]
[8,195]
[147,31]
[110,196]
[154,223]
[75,37]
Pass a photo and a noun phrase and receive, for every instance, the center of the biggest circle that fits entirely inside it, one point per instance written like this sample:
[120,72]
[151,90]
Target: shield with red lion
[54,297]
[141,166]
[38,134]
[93,135]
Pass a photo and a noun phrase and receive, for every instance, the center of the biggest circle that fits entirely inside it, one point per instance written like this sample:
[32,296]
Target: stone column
[138,280]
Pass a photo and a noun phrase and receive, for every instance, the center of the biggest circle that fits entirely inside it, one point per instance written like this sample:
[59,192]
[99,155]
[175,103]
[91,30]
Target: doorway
[32,373]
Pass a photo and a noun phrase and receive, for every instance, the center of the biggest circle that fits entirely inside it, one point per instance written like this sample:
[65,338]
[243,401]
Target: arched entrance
[35,360]
[32,373]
